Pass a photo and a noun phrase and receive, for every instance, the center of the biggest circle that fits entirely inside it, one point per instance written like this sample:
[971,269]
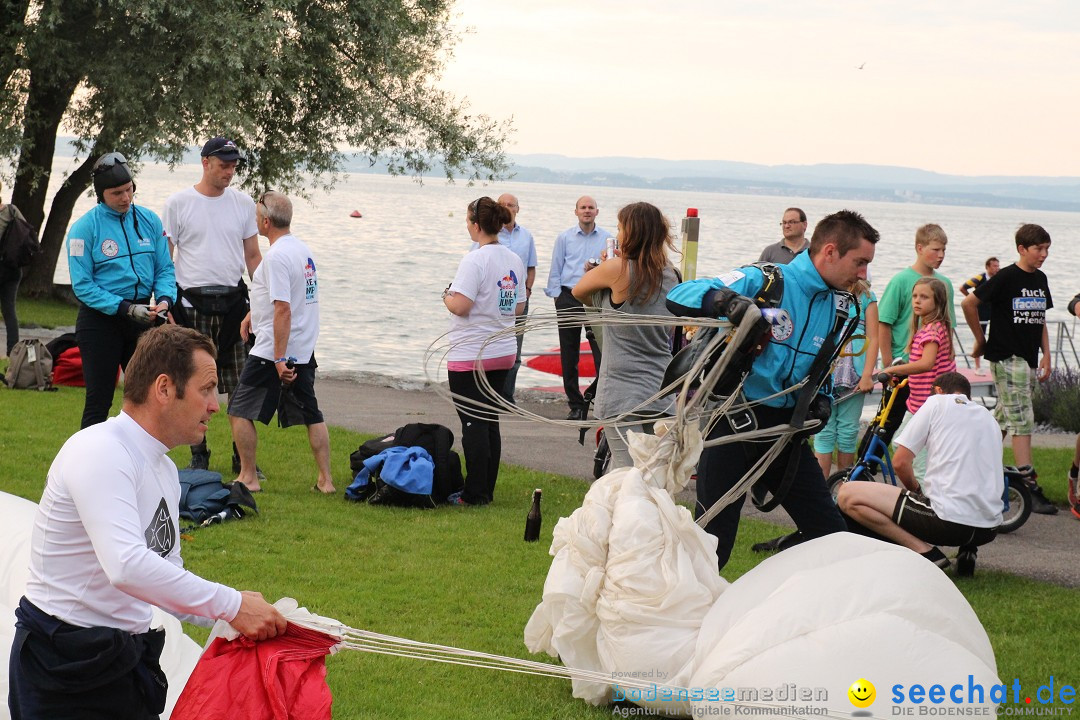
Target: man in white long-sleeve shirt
[105,547]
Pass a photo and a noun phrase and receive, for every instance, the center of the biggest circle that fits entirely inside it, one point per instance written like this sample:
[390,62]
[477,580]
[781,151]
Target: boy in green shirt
[894,307]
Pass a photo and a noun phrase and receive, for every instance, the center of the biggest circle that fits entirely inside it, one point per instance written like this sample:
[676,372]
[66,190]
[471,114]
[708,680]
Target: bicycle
[873,453]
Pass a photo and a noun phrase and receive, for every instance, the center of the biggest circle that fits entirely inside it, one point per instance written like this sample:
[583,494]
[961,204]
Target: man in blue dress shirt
[573,248]
[520,241]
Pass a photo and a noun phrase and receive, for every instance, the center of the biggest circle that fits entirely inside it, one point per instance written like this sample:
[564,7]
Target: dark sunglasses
[226,148]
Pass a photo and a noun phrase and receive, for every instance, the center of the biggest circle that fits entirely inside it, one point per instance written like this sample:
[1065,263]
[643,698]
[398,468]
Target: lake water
[381,276]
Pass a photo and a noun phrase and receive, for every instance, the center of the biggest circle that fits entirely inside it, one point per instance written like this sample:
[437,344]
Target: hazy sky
[964,87]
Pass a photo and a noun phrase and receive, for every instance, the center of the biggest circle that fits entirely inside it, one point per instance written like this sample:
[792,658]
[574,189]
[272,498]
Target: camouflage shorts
[230,362]
[1015,381]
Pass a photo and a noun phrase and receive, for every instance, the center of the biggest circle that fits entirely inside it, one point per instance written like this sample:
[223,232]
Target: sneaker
[767,546]
[1039,503]
[937,557]
[456,499]
[199,461]
[965,561]
[779,543]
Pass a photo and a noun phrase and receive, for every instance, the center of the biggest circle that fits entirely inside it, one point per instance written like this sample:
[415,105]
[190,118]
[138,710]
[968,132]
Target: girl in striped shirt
[931,351]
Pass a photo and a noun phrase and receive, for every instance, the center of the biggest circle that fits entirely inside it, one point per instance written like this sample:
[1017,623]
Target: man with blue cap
[122,275]
[214,241]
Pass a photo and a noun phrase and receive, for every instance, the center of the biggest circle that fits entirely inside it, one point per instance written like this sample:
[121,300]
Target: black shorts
[258,394]
[914,514]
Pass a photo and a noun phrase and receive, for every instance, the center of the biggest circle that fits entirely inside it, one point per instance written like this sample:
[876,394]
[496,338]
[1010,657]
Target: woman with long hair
[485,296]
[634,282]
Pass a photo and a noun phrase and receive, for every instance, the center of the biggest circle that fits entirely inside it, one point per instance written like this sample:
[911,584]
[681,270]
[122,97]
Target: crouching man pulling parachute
[809,319]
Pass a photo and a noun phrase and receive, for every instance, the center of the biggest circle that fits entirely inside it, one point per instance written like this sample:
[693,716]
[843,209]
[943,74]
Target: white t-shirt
[964,476]
[106,538]
[286,273]
[208,234]
[493,277]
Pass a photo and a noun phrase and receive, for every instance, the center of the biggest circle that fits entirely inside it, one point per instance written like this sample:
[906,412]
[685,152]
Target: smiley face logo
[862,693]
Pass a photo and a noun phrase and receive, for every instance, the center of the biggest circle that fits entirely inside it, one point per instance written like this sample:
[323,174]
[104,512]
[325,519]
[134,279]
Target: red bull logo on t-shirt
[508,285]
[311,283]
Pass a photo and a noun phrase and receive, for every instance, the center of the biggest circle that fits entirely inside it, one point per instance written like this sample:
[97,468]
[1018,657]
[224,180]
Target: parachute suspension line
[693,406]
[380,644]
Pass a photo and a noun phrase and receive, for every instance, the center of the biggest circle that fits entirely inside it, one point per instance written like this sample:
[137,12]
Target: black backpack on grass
[437,440]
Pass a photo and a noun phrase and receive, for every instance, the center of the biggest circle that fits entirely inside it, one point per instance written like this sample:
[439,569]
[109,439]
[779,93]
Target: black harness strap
[844,325]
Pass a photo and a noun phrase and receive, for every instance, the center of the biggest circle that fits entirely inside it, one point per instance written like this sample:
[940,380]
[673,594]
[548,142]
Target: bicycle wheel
[837,479]
[1019,508]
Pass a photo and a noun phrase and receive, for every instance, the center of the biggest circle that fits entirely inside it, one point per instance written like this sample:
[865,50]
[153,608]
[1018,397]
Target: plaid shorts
[229,363]
[1015,381]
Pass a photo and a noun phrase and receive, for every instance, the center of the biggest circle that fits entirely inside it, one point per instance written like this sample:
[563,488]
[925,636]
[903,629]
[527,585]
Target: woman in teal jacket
[121,272]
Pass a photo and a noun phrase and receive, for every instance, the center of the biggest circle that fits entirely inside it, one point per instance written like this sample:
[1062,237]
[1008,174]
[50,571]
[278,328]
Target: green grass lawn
[460,577]
[45,313]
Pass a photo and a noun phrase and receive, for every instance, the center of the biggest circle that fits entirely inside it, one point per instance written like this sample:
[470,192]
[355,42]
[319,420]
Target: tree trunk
[46,103]
[54,76]
[52,236]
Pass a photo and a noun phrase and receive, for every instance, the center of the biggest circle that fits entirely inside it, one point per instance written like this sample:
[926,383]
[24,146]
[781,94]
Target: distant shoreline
[878,183]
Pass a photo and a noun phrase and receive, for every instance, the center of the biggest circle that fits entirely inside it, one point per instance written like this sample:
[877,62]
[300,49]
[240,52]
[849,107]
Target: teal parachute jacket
[110,262]
[807,315]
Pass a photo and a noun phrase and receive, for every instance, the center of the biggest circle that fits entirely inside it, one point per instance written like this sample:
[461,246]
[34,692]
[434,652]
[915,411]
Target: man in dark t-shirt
[1019,297]
[992,265]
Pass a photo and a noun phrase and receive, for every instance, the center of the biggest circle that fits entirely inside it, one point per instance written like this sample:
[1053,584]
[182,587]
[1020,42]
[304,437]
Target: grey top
[779,253]
[635,356]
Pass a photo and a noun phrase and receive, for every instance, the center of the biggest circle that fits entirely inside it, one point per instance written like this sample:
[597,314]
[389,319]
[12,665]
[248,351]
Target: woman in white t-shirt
[486,294]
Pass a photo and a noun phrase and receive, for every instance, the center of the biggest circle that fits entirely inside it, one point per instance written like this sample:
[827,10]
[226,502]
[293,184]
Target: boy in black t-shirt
[1019,297]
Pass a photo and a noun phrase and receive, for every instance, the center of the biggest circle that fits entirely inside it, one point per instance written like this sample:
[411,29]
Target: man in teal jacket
[840,249]
[121,272]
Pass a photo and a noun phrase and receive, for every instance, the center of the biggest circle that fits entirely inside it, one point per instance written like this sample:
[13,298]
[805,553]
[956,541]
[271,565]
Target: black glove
[730,304]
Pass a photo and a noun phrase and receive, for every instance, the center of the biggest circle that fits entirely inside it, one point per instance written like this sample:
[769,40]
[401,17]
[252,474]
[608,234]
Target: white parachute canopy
[633,593]
[17,518]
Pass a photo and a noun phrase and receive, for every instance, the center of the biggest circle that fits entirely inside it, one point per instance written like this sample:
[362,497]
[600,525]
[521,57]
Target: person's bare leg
[246,439]
[1021,445]
[871,505]
[844,460]
[825,461]
[319,439]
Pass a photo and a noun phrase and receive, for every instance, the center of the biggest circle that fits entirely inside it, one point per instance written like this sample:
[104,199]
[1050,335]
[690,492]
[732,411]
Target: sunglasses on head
[107,160]
[228,147]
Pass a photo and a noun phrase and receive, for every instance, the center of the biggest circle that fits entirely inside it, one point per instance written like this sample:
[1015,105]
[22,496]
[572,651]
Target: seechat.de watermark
[964,698]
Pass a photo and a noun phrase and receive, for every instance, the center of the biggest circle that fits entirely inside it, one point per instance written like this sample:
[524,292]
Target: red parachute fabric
[279,679]
[551,363]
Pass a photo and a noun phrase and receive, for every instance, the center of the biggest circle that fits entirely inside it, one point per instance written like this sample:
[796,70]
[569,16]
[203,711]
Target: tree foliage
[297,83]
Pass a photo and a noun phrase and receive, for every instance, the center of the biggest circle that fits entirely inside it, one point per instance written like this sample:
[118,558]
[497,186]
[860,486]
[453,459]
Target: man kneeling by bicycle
[959,503]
